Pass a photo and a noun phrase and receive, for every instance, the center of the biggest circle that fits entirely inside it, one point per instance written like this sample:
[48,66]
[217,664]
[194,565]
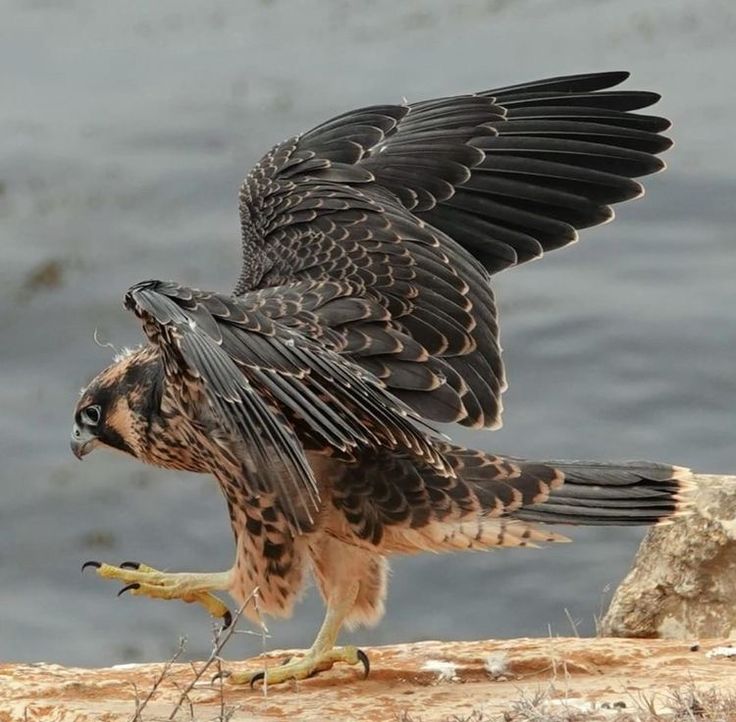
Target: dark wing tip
[133,294]
[579,83]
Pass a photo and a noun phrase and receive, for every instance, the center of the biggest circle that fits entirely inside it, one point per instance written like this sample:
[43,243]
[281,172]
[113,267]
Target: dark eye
[91,415]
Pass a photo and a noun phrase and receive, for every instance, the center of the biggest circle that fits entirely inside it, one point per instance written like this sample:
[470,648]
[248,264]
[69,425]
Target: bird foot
[142,580]
[309,665]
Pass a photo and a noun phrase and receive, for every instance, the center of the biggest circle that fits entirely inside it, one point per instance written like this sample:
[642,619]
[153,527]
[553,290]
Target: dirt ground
[555,679]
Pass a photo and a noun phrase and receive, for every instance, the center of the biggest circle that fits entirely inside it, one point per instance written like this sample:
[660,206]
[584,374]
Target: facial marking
[126,393]
[121,425]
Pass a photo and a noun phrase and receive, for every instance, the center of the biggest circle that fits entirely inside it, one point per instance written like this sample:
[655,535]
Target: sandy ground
[587,679]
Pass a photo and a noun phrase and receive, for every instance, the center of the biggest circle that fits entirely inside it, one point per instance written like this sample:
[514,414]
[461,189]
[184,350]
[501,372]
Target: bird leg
[320,656]
[145,581]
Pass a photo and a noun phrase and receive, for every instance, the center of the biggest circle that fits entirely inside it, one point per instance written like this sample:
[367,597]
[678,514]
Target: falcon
[363,315]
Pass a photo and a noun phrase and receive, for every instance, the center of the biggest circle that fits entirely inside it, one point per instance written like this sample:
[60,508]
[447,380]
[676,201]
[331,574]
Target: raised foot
[142,580]
[310,664]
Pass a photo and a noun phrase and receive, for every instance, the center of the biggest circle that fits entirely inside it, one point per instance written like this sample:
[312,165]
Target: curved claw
[222,674]
[129,588]
[363,659]
[227,619]
[91,563]
[257,677]
[130,565]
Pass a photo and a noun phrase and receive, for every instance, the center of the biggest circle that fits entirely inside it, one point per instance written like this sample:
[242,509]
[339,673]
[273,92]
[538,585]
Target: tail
[571,492]
[402,504]
[629,493]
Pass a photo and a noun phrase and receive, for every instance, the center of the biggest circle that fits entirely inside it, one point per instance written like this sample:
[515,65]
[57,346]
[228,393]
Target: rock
[683,583]
[591,679]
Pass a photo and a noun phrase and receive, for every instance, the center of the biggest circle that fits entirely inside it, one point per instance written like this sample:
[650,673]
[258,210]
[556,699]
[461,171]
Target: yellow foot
[312,663]
[142,580]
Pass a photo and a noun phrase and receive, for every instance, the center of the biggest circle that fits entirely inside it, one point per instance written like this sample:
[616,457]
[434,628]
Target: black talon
[130,565]
[258,677]
[363,659]
[227,619]
[222,674]
[129,587]
[92,563]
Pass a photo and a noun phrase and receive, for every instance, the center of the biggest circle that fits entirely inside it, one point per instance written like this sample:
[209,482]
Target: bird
[362,318]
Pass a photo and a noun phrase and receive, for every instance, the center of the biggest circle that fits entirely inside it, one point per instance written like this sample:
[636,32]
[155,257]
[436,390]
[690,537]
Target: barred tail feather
[399,503]
[621,494]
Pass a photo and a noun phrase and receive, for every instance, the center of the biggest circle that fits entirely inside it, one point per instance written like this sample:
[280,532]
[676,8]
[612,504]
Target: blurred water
[124,132]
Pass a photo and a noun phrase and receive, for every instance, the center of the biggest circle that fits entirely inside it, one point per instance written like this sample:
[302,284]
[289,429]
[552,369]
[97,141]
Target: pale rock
[683,581]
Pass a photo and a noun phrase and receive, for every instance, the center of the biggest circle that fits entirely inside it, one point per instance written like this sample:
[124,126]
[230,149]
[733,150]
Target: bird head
[116,408]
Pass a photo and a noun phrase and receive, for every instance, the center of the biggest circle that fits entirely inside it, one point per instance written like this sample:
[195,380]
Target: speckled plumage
[364,310]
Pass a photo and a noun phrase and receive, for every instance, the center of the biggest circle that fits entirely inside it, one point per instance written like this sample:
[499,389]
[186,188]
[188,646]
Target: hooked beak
[82,442]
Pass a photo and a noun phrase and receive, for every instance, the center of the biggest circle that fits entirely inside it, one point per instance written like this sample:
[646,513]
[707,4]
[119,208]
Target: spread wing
[412,208]
[272,390]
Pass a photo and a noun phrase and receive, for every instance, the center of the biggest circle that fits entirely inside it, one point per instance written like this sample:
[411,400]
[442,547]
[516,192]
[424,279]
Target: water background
[125,129]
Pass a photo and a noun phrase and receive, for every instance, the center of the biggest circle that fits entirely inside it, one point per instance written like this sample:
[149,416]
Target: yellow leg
[320,656]
[142,580]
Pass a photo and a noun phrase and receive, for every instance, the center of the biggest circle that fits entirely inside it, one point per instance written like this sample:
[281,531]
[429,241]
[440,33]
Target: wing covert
[414,206]
[273,389]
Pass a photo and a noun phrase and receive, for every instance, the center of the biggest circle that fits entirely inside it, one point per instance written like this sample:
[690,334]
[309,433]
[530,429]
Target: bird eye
[91,415]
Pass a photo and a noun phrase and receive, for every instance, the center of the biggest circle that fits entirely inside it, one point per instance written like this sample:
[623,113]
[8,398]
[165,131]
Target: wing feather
[273,390]
[412,207]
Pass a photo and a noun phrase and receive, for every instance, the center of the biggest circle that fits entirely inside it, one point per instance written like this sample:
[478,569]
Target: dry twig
[221,638]
[141,705]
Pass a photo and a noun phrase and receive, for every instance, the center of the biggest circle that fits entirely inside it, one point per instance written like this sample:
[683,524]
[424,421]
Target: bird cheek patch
[120,428]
